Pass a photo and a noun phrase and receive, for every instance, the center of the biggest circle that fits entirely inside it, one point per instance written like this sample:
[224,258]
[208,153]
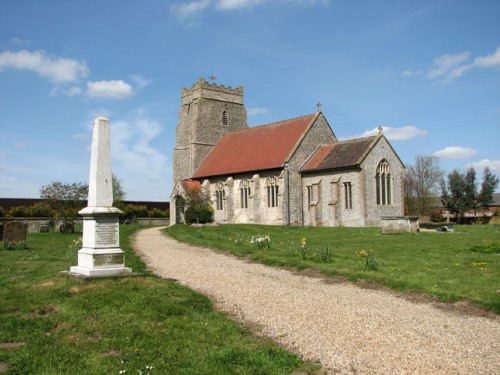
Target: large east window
[383,182]
[272,192]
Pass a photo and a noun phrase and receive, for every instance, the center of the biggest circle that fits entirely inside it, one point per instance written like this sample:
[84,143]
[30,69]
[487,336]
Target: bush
[19,211]
[135,210]
[156,212]
[40,210]
[200,213]
[3,212]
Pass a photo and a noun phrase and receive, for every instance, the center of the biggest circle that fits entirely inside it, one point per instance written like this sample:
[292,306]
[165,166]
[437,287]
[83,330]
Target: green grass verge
[52,324]
[459,265]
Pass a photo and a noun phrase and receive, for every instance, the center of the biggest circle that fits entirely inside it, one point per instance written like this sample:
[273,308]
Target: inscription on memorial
[106,232]
[108,259]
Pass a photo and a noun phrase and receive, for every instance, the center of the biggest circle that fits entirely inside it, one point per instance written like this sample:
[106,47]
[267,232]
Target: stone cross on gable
[319,106]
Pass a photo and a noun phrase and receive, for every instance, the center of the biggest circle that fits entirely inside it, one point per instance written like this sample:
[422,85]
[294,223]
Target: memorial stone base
[100,255]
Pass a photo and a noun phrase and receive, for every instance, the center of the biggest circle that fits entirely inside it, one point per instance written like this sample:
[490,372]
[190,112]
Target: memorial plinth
[100,255]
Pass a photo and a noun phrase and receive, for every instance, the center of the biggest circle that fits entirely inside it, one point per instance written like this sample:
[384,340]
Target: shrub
[3,212]
[156,212]
[135,210]
[40,210]
[199,212]
[19,211]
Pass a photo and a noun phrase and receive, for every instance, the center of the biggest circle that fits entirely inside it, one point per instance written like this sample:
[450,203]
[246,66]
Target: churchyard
[52,323]
[460,266]
[55,324]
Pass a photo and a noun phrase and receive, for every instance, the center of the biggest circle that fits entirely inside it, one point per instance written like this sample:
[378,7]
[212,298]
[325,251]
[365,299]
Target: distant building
[291,172]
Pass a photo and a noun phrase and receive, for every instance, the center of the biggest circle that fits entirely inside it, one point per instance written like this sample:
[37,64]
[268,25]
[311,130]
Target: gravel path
[347,328]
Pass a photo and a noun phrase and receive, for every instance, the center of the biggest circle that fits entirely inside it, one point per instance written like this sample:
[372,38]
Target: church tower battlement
[207,112]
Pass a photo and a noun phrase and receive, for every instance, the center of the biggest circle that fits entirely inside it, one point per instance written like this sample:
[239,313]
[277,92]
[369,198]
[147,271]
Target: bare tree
[422,184]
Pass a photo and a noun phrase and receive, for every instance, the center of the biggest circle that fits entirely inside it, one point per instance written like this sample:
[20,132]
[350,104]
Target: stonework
[289,194]
[207,112]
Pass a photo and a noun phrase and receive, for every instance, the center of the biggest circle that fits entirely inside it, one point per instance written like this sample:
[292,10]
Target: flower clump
[261,241]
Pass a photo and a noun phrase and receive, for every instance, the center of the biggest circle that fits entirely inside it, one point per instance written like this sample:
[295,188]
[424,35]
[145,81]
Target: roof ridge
[273,123]
[358,139]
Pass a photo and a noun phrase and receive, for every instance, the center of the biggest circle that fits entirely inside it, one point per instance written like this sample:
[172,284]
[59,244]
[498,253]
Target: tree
[488,186]
[118,192]
[421,184]
[65,200]
[198,208]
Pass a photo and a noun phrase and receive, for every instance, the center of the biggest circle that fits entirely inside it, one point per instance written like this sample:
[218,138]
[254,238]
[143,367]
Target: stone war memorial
[100,255]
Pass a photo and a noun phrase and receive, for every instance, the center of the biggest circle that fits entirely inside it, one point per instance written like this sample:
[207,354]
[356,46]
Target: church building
[291,172]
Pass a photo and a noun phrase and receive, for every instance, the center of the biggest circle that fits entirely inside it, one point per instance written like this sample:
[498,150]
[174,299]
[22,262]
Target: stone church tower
[207,112]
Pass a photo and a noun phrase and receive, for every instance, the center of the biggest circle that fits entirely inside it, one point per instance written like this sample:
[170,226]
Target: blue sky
[428,71]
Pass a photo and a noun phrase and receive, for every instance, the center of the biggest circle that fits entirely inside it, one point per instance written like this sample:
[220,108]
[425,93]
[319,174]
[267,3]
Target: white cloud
[236,4]
[54,68]
[488,60]
[451,67]
[140,81]
[257,111]
[131,145]
[455,152]
[403,133]
[187,10]
[494,165]
[109,89]
[443,64]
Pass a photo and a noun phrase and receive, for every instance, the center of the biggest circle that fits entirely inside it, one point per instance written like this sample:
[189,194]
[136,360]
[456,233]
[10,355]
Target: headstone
[100,255]
[44,228]
[14,232]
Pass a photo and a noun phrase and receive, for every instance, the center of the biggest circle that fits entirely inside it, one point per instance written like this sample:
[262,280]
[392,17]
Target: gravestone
[100,255]
[44,228]
[14,232]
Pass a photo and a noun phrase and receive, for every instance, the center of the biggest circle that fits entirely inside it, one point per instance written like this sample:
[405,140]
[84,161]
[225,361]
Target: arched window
[219,196]
[225,119]
[244,193]
[383,182]
[272,192]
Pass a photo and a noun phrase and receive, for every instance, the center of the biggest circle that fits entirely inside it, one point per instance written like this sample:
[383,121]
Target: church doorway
[180,203]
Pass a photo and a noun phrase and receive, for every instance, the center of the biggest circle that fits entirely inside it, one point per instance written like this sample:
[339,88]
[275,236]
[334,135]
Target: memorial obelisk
[100,255]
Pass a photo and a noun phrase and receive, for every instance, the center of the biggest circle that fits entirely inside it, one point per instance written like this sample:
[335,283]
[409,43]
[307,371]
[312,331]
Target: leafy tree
[65,200]
[41,209]
[421,184]
[488,186]
[118,192]
[453,194]
[198,208]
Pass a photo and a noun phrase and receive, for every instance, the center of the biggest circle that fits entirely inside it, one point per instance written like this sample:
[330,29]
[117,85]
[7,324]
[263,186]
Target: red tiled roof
[259,148]
[339,155]
[189,185]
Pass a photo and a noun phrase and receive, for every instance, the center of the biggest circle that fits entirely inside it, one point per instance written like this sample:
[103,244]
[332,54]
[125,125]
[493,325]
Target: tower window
[225,119]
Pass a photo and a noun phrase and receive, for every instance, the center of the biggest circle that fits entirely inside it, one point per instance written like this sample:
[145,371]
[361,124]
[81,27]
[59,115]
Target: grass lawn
[51,324]
[459,265]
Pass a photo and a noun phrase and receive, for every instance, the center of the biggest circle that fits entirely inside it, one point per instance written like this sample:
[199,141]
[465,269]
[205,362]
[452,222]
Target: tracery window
[219,196]
[272,192]
[244,193]
[383,182]
[347,195]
